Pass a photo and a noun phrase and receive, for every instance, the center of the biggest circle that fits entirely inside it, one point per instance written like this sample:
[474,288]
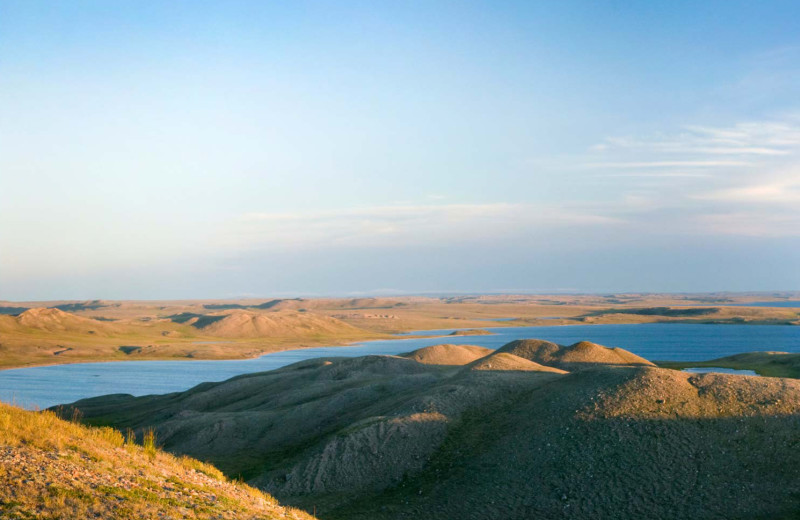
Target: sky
[198,149]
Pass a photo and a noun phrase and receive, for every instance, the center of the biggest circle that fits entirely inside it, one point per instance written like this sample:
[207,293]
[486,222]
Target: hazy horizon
[176,150]
[789,294]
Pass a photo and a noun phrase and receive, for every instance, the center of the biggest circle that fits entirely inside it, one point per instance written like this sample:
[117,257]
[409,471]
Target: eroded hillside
[600,434]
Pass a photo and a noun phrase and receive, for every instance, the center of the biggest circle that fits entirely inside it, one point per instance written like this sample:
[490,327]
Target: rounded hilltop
[248,324]
[52,320]
[582,354]
[447,354]
[506,361]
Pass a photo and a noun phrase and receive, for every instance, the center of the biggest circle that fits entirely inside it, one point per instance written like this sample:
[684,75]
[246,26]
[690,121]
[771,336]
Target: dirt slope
[386,437]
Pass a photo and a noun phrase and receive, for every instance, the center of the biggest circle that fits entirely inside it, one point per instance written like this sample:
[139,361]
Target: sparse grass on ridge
[51,468]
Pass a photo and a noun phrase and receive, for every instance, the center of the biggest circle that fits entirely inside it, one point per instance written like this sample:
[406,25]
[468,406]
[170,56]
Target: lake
[719,370]
[785,303]
[47,386]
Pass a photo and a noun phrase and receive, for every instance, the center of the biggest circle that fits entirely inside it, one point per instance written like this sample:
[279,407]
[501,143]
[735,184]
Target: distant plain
[59,332]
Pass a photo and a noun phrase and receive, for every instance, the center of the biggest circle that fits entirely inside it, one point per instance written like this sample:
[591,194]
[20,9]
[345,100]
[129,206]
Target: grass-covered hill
[54,469]
[598,433]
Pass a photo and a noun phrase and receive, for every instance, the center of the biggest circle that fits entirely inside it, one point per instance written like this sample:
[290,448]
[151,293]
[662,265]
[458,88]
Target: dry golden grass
[52,468]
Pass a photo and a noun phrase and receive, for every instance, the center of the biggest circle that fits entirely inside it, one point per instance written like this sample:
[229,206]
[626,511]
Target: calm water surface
[786,303]
[47,386]
[720,370]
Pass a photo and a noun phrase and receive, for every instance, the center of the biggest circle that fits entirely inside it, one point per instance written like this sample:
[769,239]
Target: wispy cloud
[752,223]
[405,224]
[666,164]
[768,191]
[739,179]
[754,138]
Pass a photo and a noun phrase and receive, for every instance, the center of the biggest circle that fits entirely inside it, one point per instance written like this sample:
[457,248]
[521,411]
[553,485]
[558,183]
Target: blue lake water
[785,303]
[47,386]
[719,370]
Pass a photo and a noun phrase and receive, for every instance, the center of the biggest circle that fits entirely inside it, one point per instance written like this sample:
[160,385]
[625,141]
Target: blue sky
[221,149]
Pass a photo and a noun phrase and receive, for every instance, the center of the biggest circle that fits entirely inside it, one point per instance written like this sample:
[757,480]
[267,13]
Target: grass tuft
[149,443]
[110,435]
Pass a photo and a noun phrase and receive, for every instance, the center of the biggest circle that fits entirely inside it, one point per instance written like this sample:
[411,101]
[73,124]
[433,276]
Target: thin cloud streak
[752,224]
[755,138]
[404,225]
[781,192]
[667,164]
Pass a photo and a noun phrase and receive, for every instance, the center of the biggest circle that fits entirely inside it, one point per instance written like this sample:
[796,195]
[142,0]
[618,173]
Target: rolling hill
[447,354]
[52,336]
[246,324]
[54,321]
[503,436]
[583,354]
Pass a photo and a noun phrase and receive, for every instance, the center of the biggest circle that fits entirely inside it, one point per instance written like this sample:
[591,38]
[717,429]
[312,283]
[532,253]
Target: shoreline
[395,336]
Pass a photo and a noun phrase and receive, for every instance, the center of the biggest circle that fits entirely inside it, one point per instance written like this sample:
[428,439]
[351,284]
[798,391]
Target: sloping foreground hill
[51,468]
[504,436]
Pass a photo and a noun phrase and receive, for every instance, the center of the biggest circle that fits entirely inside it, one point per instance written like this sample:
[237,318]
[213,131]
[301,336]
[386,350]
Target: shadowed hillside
[51,468]
[503,436]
